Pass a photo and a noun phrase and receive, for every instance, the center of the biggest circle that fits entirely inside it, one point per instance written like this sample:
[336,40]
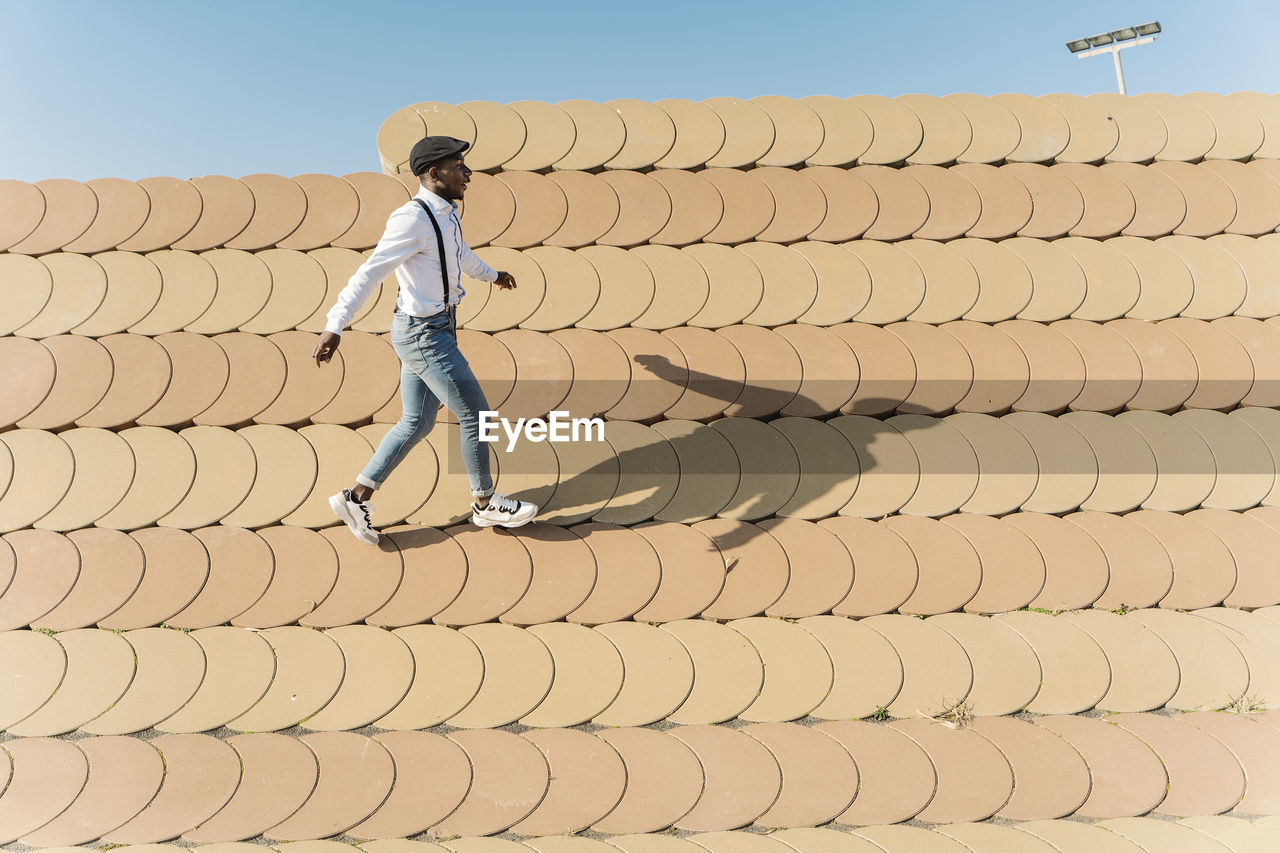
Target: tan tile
[1219,284]
[743,778]
[174,209]
[1000,370]
[201,774]
[42,472]
[659,674]
[1235,833]
[749,133]
[279,774]
[819,777]
[588,479]
[378,670]
[225,469]
[1180,485]
[1008,470]
[279,206]
[125,773]
[285,476]
[1211,205]
[1167,286]
[1075,673]
[897,777]
[773,371]
[80,286]
[821,568]
[995,838]
[574,291]
[626,288]
[404,495]
[885,570]
[1074,835]
[298,286]
[1125,462]
[592,208]
[1076,567]
[650,134]
[771,473]
[936,671]
[1238,130]
[170,667]
[1005,201]
[46,567]
[1109,206]
[1056,203]
[627,575]
[1204,571]
[1045,130]
[199,374]
[239,668]
[902,203]
[897,130]
[1162,835]
[518,671]
[954,203]
[829,467]
[244,287]
[601,371]
[1257,638]
[699,133]
[1244,476]
[947,132]
[728,672]
[500,134]
[716,373]
[1265,108]
[803,134]
[653,843]
[588,780]
[664,781]
[43,777]
[1257,259]
[369,380]
[648,474]
[176,568]
[1050,778]
[69,209]
[1006,672]
[974,778]
[756,565]
[1256,194]
[1222,365]
[1140,572]
[338,265]
[492,207]
[1060,285]
[35,665]
[844,285]
[681,287]
[1057,369]
[1254,746]
[377,196]
[851,203]
[588,676]
[790,284]
[356,775]
[1144,671]
[24,206]
[1260,420]
[948,466]
[226,207]
[600,135]
[800,205]
[1005,281]
[447,672]
[256,376]
[693,571]
[1204,776]
[564,575]
[432,774]
[506,309]
[1212,669]
[944,372]
[510,776]
[1128,777]
[889,468]
[308,672]
[339,451]
[1159,206]
[952,283]
[123,207]
[549,134]
[1142,132]
[1191,130]
[696,207]
[1094,133]
[1013,570]
[748,206]
[711,467]
[1113,373]
[33,285]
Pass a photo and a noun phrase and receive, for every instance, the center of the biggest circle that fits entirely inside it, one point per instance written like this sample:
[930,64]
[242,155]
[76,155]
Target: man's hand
[326,347]
[505,280]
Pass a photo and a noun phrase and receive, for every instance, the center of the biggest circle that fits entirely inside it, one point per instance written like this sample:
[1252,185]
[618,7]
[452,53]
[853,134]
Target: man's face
[449,178]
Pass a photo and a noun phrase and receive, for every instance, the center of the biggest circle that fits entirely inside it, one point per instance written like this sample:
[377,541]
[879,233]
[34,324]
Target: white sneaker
[504,512]
[356,514]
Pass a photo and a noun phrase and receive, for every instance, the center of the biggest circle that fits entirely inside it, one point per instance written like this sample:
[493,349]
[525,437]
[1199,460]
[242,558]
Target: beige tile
[948,465]
[69,209]
[244,286]
[664,781]
[281,485]
[728,672]
[1139,568]
[378,671]
[867,669]
[1000,370]
[748,205]
[1238,130]
[308,672]
[201,774]
[800,204]
[264,797]
[224,475]
[1045,130]
[378,195]
[124,775]
[897,130]
[506,309]
[35,665]
[1113,285]
[802,134]
[31,377]
[588,676]
[356,774]
[332,206]
[897,778]
[239,667]
[743,779]
[226,207]
[396,136]
[1012,567]
[24,206]
[1074,835]
[947,132]
[1191,130]
[110,570]
[509,778]
[693,571]
[1006,202]
[953,286]
[43,777]
[1142,132]
[950,569]
[1211,667]
[1051,780]
[936,671]
[1162,834]
[163,474]
[822,840]
[712,471]
[1144,671]
[1167,285]
[1159,205]
[995,129]
[170,667]
[518,671]
[659,374]
[298,286]
[1057,369]
[1060,285]
[699,133]
[80,286]
[256,376]
[650,134]
[716,373]
[889,468]
[1256,194]
[649,473]
[549,134]
[944,373]
[1204,776]
[998,688]
[644,208]
[573,290]
[1235,833]
[1094,133]
[588,779]
[123,207]
[810,591]
[628,573]
[592,209]
[773,371]
[681,287]
[1179,486]
[1264,107]
[100,668]
[1109,206]
[499,571]
[1245,474]
[1260,420]
[33,285]
[1076,567]
[885,569]
[1219,283]
[447,672]
[1224,369]
[339,451]
[1057,204]
[852,205]
[279,206]
[749,132]
[771,474]
[1005,282]
[500,134]
[1075,672]
[696,207]
[565,572]
[1256,258]
[659,674]
[902,202]
[974,778]
[1204,572]
[1168,365]
[995,838]
[1211,205]
[897,282]
[600,135]
[844,285]
[757,568]
[432,776]
[954,203]
[491,209]
[372,359]
[626,288]
[43,468]
[790,284]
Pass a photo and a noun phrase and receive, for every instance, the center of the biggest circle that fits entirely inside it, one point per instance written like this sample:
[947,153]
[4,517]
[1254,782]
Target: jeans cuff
[365,481]
[482,493]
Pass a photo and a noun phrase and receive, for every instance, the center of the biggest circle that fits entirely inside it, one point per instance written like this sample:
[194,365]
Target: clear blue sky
[133,88]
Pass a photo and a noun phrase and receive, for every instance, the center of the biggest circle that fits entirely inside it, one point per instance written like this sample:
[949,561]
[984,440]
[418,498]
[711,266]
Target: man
[423,244]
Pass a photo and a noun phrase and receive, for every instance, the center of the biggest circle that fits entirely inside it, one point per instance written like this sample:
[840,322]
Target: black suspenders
[444,262]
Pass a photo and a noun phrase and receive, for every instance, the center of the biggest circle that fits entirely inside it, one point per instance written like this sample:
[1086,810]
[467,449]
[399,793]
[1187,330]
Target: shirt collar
[443,205]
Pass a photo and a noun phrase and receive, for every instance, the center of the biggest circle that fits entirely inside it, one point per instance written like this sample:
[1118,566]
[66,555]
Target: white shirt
[409,247]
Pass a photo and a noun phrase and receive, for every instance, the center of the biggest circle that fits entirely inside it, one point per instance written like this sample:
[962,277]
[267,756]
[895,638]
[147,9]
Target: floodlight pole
[1114,49]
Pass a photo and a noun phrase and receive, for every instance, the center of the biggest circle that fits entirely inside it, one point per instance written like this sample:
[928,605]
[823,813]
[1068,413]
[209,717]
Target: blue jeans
[433,370]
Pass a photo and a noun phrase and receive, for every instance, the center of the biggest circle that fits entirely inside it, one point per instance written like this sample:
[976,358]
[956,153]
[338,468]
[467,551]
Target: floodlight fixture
[1113,42]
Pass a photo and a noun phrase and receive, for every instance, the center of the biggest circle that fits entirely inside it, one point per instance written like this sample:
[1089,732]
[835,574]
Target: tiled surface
[938,485]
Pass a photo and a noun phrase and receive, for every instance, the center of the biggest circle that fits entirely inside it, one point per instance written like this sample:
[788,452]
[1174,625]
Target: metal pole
[1115,52]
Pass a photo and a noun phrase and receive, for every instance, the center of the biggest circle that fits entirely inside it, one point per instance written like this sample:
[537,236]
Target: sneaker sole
[339,508]
[479,522]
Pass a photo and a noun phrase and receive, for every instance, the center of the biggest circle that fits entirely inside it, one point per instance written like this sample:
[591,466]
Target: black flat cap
[429,149]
